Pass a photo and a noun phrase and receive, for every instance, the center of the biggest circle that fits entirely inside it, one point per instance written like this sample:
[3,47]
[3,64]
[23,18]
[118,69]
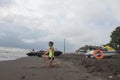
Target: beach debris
[110,77]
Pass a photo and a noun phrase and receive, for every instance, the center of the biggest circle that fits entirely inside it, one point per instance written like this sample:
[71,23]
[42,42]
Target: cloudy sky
[33,23]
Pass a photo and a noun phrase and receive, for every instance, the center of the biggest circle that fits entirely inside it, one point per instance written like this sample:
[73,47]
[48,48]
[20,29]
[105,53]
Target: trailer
[100,54]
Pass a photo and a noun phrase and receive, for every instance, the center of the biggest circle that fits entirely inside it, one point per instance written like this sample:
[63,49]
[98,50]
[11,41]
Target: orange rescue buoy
[98,54]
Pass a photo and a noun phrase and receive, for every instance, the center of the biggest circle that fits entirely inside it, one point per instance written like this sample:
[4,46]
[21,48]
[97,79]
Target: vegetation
[114,42]
[115,38]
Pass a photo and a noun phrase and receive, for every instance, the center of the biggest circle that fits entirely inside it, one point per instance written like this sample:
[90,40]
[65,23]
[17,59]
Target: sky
[33,23]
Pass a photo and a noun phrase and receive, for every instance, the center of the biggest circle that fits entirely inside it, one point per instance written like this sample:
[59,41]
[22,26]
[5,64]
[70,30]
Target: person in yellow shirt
[49,54]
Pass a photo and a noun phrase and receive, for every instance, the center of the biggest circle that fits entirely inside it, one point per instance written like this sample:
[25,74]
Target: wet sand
[72,67]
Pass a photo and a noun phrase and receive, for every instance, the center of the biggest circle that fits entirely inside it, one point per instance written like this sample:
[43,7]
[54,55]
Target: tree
[115,38]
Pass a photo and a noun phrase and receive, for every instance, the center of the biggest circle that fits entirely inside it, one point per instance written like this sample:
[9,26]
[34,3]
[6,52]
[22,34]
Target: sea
[8,53]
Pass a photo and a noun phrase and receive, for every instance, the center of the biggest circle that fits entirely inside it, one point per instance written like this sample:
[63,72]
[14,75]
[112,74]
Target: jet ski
[108,52]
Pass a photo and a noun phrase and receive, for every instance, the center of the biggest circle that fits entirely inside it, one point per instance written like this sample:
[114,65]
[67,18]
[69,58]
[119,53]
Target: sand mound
[107,68]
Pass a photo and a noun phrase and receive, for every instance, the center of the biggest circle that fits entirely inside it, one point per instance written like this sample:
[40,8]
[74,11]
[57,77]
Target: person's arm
[46,52]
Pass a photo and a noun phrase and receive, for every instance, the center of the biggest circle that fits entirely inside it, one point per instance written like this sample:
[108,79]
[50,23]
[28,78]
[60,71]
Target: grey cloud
[14,39]
[81,22]
[4,3]
[15,33]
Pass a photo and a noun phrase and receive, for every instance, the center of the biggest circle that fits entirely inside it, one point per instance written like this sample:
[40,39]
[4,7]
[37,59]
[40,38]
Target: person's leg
[50,61]
[44,59]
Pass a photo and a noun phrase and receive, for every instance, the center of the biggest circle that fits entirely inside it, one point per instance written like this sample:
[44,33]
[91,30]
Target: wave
[7,53]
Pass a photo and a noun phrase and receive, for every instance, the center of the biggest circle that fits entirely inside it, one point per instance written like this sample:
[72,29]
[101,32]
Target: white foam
[12,53]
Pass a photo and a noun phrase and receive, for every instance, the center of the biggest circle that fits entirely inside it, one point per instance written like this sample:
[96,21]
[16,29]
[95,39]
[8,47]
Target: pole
[64,46]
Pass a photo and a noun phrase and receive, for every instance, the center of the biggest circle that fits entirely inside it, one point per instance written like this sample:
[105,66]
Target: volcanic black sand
[72,67]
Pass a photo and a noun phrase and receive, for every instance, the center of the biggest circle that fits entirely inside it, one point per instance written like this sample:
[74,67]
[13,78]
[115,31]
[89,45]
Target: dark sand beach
[72,67]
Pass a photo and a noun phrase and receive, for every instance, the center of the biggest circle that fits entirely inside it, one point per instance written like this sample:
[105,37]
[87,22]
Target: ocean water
[7,53]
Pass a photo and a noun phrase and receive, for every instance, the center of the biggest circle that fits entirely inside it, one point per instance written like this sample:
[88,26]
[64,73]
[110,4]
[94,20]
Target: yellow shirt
[51,54]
